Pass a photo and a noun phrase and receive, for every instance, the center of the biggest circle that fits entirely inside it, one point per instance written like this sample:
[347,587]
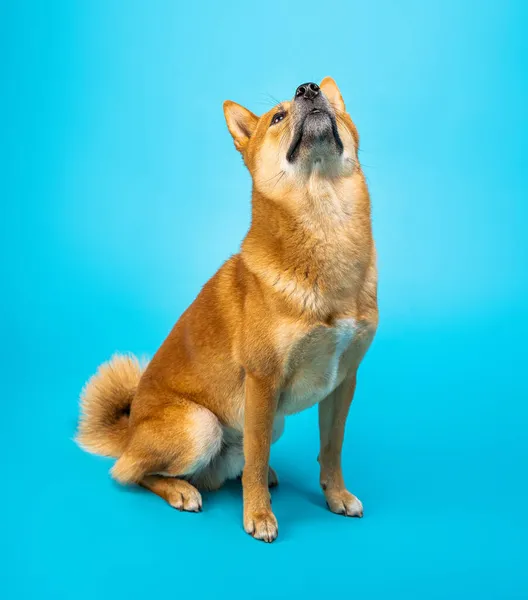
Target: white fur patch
[207,435]
[317,365]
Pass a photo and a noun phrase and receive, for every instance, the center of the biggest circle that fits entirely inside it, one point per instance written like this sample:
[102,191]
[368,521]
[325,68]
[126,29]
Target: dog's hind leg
[163,451]
[178,493]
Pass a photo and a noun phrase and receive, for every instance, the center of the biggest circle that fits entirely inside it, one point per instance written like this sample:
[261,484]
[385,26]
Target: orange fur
[281,326]
[105,405]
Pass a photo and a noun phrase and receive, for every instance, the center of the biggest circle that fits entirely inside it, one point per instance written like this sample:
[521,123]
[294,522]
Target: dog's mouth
[317,127]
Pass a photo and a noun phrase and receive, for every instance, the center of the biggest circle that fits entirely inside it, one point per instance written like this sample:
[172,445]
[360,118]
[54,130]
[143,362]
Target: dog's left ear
[331,91]
[241,123]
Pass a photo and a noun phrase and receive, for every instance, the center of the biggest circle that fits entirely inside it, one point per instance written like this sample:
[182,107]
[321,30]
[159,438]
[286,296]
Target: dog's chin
[320,156]
[316,143]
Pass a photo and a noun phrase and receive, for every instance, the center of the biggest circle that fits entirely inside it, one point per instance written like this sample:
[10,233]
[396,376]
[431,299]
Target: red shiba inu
[281,326]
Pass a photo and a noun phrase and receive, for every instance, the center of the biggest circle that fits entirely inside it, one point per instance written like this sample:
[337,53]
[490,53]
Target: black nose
[307,90]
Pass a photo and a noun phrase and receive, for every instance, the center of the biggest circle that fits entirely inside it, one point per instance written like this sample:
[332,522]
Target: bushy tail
[105,405]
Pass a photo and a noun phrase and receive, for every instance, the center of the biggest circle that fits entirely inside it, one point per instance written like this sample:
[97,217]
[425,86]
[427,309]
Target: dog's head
[311,135]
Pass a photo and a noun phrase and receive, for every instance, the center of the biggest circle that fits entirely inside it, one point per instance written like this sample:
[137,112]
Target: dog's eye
[277,118]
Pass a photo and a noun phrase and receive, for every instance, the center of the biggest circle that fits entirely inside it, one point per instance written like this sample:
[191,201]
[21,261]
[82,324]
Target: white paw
[262,526]
[344,503]
[189,500]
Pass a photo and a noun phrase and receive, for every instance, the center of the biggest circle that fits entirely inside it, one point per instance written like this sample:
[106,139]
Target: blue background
[121,194]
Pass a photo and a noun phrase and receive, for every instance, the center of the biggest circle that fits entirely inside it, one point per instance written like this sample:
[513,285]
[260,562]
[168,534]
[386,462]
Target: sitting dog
[283,325]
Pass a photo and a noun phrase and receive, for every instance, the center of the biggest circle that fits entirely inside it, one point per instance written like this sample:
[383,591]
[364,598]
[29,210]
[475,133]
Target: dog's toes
[262,526]
[186,498]
[344,503]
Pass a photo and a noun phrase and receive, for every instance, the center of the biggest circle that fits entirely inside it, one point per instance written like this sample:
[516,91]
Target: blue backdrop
[122,193]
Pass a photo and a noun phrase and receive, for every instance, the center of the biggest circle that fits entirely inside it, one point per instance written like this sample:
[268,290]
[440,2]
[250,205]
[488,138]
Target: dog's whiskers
[282,175]
[281,172]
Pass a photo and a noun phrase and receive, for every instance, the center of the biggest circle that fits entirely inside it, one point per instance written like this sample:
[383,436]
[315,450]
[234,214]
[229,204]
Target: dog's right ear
[331,91]
[241,123]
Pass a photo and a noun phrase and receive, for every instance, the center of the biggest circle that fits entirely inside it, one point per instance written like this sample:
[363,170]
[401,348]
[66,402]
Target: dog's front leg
[333,412]
[260,406]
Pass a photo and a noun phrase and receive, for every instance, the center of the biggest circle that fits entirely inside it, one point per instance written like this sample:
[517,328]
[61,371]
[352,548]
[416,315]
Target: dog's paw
[342,502]
[262,526]
[273,480]
[185,497]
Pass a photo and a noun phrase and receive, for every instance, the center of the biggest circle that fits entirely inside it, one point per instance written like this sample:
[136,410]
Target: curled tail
[105,405]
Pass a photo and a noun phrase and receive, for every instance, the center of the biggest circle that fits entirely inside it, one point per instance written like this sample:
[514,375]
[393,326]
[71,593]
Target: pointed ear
[241,123]
[331,91]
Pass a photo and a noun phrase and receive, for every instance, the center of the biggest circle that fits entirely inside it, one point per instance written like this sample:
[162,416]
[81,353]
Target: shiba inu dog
[283,325]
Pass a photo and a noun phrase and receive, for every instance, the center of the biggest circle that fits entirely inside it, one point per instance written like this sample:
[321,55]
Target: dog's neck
[312,247]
